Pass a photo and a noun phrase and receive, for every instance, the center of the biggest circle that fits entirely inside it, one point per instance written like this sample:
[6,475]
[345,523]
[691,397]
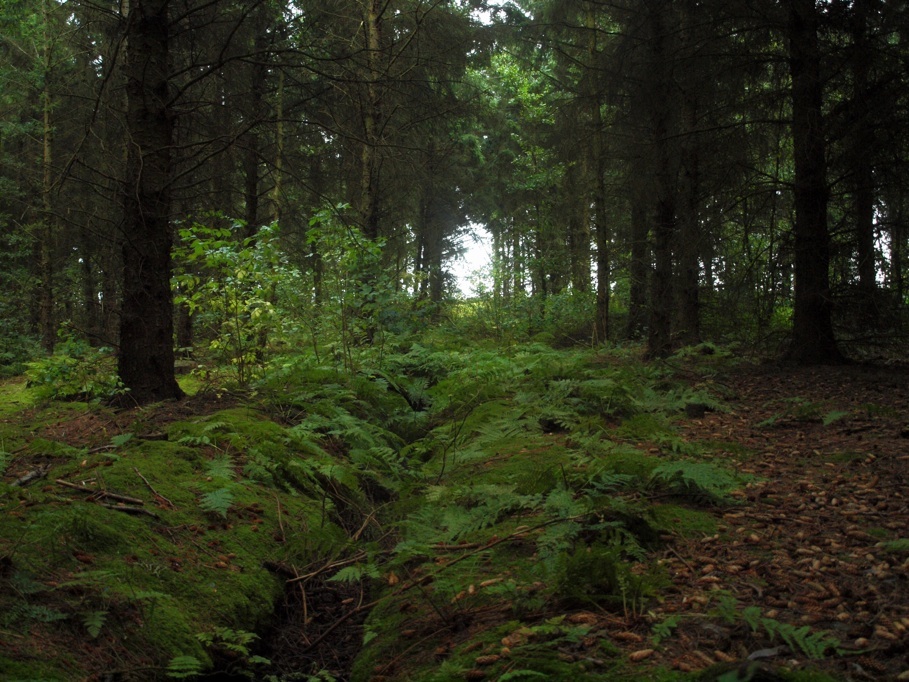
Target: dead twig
[129,510]
[154,492]
[422,580]
[359,556]
[280,522]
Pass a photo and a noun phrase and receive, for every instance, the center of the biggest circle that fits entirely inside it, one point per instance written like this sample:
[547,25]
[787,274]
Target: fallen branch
[129,510]
[30,476]
[99,493]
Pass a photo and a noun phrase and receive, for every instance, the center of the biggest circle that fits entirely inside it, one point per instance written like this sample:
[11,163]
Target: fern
[184,667]
[221,467]
[695,479]
[87,578]
[356,573]
[195,441]
[93,622]
[217,501]
[35,612]
[812,644]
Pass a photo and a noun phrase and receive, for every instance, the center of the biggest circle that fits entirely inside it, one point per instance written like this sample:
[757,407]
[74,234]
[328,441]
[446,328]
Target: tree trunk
[659,340]
[812,339]
[603,237]
[578,226]
[372,121]
[862,167]
[689,235]
[46,247]
[146,361]
[640,258]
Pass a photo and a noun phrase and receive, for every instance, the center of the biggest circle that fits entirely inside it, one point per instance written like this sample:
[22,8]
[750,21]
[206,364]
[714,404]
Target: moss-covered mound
[148,553]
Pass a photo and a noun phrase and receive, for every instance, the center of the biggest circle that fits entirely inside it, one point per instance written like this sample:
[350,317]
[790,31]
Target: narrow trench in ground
[298,640]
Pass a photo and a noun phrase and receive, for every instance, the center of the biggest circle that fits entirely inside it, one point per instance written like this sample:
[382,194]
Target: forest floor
[811,557]
[820,537]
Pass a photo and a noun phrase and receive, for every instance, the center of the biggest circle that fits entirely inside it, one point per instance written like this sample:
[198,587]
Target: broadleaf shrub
[75,371]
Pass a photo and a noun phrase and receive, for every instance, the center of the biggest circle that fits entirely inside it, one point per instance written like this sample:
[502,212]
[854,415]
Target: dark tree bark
[689,233]
[812,338]
[862,144]
[659,340]
[639,267]
[598,166]
[578,226]
[146,361]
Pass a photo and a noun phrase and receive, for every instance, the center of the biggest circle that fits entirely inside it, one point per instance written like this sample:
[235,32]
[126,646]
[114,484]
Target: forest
[253,426]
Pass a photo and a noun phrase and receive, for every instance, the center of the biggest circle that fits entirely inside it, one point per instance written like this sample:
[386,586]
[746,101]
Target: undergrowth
[450,484]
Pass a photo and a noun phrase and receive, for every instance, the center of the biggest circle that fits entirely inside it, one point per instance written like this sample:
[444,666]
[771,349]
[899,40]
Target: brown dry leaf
[513,640]
[628,637]
[640,655]
[487,660]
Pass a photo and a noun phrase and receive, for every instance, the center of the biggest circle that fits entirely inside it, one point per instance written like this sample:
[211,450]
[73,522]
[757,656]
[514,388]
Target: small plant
[664,628]
[813,644]
[76,371]
[235,646]
[802,410]
[228,283]
[93,622]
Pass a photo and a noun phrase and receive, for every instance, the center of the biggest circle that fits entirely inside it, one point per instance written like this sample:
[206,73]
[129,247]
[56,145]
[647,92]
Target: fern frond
[184,667]
[217,501]
[214,426]
[93,622]
[695,478]
[221,467]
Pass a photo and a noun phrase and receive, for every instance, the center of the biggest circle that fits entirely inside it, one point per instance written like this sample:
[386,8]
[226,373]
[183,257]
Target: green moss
[629,463]
[181,569]
[681,520]
[15,397]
